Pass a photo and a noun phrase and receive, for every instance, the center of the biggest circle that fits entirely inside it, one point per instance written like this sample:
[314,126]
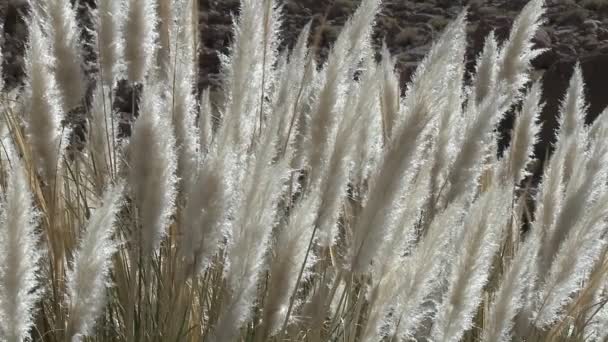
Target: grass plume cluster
[307,201]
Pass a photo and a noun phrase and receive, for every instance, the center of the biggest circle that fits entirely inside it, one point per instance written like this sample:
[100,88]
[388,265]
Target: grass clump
[311,202]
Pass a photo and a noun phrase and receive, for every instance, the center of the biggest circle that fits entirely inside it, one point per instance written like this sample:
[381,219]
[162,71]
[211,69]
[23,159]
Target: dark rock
[595,5]
[591,25]
[590,43]
[341,9]
[225,6]
[545,60]
[14,31]
[420,17]
[542,39]
[573,17]
[565,52]
[405,37]
[215,17]
[514,5]
[448,3]
[602,33]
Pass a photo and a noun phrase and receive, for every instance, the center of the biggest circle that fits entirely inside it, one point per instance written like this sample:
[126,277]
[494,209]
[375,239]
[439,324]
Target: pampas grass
[109,18]
[139,36]
[64,34]
[301,200]
[44,106]
[87,280]
[152,171]
[19,290]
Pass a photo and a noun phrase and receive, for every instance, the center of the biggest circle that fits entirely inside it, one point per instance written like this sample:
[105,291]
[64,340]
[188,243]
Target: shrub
[309,203]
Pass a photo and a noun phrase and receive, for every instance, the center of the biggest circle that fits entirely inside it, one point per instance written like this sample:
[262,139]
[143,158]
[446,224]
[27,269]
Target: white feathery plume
[548,203]
[311,83]
[246,69]
[579,173]
[426,273]
[181,94]
[448,130]
[289,255]
[283,94]
[203,215]
[43,106]
[152,170]
[139,35]
[237,68]
[571,122]
[595,128]
[334,182]
[350,48]
[476,246]
[517,53]
[571,267]
[390,93]
[367,151]
[554,178]
[387,183]
[477,123]
[19,256]
[287,98]
[298,58]
[271,30]
[403,230]
[263,181]
[369,139]
[476,139]
[87,280]
[593,137]
[246,255]
[486,72]
[257,179]
[167,12]
[413,278]
[440,64]
[573,107]
[378,217]
[578,194]
[579,231]
[443,65]
[110,42]
[524,135]
[510,296]
[370,228]
[65,46]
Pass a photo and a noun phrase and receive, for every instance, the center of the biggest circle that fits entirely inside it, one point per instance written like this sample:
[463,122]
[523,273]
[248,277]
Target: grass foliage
[304,201]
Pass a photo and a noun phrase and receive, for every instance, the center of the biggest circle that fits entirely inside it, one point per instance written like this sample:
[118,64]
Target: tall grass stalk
[303,199]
